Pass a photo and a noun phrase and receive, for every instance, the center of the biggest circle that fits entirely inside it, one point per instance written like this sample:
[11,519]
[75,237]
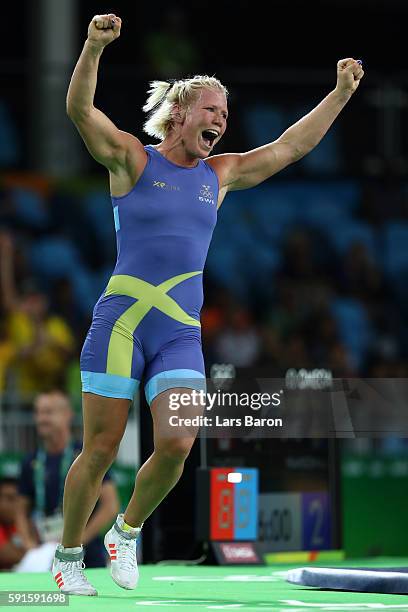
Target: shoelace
[74,571]
[127,554]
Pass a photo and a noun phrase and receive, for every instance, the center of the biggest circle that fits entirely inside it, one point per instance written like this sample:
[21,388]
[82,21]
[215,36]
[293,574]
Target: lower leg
[82,489]
[163,469]
[154,481]
[104,424]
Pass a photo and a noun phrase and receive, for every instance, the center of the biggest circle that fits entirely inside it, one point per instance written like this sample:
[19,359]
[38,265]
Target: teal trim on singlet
[172,379]
[116,218]
[109,385]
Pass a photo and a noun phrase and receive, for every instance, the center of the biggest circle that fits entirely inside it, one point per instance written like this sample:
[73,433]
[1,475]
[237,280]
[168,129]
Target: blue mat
[393,580]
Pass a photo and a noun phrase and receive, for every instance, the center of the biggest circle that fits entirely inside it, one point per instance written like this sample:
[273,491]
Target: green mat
[211,588]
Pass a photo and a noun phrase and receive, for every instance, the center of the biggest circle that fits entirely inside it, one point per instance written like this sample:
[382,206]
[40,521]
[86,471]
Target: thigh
[182,434]
[104,416]
[112,359]
[178,364]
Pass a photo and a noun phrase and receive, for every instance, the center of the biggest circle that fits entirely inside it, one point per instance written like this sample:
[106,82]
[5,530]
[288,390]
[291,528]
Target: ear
[177,114]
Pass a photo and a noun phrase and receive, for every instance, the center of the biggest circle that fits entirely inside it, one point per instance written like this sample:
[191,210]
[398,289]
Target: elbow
[69,107]
[76,112]
[302,149]
[298,152]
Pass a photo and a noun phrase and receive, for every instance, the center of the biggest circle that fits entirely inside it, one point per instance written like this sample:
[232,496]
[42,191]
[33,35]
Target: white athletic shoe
[121,547]
[67,569]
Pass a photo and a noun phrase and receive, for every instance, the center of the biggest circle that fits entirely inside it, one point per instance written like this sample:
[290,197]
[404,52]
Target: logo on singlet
[206,195]
[166,186]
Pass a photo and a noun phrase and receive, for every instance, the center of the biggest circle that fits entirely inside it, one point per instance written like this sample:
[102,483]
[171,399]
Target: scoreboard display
[283,495]
[294,521]
[227,507]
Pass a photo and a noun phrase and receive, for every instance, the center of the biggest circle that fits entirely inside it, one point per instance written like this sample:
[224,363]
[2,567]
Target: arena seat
[353,325]
[345,232]
[223,264]
[396,250]
[263,122]
[326,158]
[30,207]
[54,257]
[271,207]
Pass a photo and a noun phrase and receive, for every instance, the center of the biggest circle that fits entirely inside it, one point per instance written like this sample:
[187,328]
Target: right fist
[103,29]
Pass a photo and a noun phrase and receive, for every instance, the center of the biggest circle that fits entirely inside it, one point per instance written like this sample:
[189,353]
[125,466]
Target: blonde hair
[162,96]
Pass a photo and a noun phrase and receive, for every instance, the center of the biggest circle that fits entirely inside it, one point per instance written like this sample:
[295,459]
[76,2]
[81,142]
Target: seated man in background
[42,481]
[11,548]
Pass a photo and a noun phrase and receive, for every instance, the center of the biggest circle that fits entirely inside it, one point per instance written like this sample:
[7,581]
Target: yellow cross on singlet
[120,350]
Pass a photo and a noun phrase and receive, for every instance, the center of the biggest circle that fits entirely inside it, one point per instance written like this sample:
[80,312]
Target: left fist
[349,75]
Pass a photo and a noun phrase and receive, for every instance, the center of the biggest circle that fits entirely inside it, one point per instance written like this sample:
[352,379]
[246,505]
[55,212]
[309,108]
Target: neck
[173,149]
[57,443]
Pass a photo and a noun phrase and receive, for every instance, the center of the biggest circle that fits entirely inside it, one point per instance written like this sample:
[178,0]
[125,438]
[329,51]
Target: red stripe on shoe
[113,557]
[111,545]
[60,584]
[57,575]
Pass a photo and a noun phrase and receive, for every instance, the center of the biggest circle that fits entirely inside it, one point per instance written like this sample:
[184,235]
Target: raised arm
[244,170]
[118,151]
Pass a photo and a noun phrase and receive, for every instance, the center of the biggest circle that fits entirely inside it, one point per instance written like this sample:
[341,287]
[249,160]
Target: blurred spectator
[239,343]
[8,351]
[64,305]
[272,349]
[299,257]
[42,481]
[43,342]
[11,548]
[295,354]
[339,362]
[287,313]
[171,50]
[359,277]
[214,316]
[321,335]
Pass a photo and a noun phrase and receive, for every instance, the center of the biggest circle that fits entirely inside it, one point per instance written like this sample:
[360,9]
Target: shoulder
[124,176]
[134,147]
[224,165]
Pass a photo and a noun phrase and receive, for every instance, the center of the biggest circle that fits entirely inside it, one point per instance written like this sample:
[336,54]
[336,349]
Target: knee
[175,450]
[101,452]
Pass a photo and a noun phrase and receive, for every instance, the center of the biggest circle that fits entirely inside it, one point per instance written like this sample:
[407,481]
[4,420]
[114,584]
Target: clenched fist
[349,74]
[103,29]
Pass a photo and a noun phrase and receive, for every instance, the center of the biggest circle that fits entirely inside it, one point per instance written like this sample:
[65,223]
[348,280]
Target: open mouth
[209,136]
